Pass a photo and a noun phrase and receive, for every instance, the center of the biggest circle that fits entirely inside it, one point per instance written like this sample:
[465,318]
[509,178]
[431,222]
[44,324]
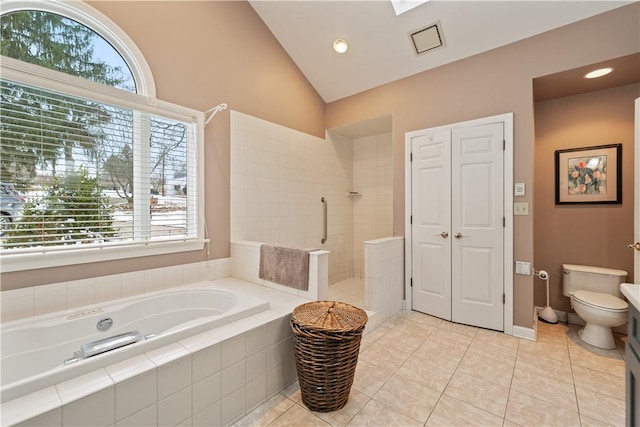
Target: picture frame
[589,175]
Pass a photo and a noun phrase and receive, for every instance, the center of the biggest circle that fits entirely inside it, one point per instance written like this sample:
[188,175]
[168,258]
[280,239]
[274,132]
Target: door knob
[635,246]
[444,234]
[457,235]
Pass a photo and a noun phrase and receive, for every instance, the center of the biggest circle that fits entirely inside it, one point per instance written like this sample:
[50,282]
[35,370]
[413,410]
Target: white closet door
[457,231]
[477,283]
[431,223]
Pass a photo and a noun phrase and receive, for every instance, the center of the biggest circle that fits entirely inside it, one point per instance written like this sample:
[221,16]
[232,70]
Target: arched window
[89,158]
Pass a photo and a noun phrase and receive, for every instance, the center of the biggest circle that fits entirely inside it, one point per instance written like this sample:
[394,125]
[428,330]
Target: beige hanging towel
[285,266]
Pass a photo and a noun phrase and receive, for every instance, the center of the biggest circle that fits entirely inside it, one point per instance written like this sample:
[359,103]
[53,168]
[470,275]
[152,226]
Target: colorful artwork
[589,175]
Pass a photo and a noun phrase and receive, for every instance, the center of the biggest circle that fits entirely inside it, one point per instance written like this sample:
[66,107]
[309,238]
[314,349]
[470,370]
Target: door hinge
[410,219]
[504,220]
[504,299]
[411,282]
[411,157]
[504,145]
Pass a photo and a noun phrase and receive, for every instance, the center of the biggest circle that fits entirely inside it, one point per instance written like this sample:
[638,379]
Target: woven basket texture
[326,344]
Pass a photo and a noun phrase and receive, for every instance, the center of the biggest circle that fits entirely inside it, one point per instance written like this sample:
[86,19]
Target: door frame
[636,208]
[507,183]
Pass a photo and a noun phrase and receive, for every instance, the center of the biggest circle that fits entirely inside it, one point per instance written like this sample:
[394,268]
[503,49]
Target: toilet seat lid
[600,300]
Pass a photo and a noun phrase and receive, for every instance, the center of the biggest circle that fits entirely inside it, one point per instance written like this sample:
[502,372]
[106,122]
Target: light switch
[521,208]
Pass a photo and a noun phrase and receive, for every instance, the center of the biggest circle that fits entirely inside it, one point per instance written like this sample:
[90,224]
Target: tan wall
[202,54]
[495,82]
[582,234]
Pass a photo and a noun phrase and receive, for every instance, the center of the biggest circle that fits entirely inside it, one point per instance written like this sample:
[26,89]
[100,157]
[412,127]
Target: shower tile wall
[278,176]
[373,179]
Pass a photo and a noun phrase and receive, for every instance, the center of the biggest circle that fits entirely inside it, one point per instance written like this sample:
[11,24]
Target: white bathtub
[34,350]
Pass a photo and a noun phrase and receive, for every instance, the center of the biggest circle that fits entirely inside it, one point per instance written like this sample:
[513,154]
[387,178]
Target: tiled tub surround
[211,378]
[33,349]
[245,265]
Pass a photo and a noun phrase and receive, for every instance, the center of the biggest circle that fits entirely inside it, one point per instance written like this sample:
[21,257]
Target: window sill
[31,261]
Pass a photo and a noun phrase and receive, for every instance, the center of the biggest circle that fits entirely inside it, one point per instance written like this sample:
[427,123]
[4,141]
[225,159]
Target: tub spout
[107,344]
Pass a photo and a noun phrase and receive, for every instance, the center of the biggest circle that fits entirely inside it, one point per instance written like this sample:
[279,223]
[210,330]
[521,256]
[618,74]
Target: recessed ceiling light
[340,45]
[598,73]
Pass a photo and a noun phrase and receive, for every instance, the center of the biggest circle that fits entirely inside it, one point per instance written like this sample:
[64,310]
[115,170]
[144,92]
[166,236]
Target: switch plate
[523,267]
[521,208]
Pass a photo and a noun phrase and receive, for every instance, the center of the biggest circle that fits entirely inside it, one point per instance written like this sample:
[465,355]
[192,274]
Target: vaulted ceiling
[380,47]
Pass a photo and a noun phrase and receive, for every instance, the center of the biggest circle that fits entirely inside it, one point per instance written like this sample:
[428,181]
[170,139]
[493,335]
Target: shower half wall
[279,176]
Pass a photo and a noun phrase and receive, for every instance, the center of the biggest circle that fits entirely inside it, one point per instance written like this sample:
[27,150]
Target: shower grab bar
[107,344]
[324,202]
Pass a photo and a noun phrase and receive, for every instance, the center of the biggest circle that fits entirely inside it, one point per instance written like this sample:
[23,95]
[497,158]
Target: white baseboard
[524,333]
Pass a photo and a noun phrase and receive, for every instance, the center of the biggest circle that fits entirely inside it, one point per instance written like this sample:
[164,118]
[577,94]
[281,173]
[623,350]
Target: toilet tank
[589,278]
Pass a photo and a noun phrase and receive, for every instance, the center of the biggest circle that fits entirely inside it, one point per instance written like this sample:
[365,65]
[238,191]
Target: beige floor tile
[591,422]
[297,416]
[555,349]
[407,397]
[545,388]
[415,368]
[343,416]
[446,358]
[426,372]
[557,330]
[587,359]
[384,356]
[479,393]
[292,392]
[376,414]
[452,412]
[479,366]
[267,412]
[601,407]
[529,411]
[496,338]
[545,367]
[440,338]
[402,341]
[370,378]
[421,318]
[409,327]
[493,352]
[458,328]
[607,384]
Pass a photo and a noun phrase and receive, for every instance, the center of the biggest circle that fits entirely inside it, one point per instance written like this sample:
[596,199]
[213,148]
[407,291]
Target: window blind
[88,173]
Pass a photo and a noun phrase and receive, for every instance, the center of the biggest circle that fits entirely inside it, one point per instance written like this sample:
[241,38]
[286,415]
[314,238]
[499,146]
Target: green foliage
[72,211]
[37,126]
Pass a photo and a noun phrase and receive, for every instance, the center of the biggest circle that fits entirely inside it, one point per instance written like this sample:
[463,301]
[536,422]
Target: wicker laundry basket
[326,345]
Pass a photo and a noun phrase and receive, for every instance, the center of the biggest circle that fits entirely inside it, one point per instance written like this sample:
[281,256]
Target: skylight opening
[402,6]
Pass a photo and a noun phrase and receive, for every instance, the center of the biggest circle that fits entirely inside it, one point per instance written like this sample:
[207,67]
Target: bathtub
[39,352]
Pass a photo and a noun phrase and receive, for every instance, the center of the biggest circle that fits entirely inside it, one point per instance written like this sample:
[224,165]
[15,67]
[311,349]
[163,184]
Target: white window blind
[96,169]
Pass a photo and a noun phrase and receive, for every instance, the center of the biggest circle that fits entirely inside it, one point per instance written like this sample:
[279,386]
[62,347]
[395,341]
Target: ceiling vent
[427,38]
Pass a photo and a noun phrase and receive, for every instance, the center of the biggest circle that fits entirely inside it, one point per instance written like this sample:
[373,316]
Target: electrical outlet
[521,208]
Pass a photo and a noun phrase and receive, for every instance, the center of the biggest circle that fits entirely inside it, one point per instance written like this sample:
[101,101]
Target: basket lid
[329,315]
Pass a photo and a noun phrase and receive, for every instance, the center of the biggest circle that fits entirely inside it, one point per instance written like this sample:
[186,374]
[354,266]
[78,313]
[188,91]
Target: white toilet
[595,296]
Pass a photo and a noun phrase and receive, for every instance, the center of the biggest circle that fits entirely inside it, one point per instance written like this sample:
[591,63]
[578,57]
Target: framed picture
[589,175]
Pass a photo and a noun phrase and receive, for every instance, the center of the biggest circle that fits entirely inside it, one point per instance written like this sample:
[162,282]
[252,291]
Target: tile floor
[350,291]
[416,370]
